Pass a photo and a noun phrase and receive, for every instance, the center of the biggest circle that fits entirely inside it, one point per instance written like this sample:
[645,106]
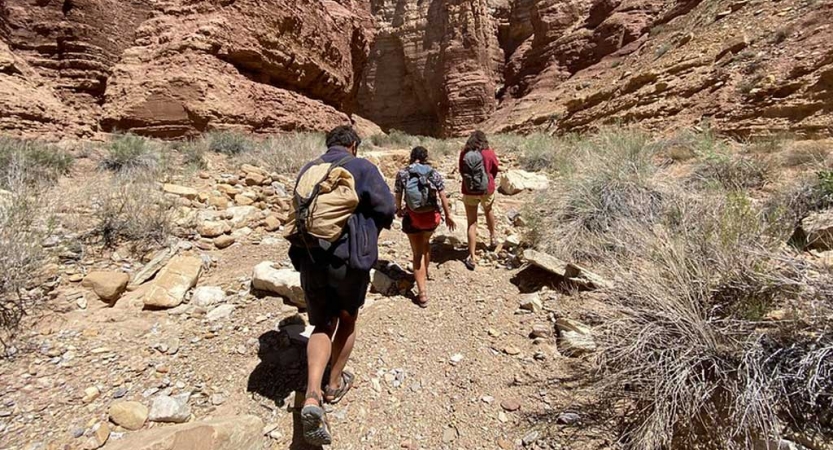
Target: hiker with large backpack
[479,168]
[340,205]
[423,191]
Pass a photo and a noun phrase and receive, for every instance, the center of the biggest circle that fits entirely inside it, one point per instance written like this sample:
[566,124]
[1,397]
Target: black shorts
[331,287]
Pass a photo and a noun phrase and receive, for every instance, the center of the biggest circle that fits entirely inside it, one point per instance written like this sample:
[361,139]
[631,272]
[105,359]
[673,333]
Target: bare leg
[427,251]
[490,222]
[420,269]
[343,342]
[471,218]
[318,353]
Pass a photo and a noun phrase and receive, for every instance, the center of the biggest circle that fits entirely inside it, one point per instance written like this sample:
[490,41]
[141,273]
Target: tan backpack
[324,199]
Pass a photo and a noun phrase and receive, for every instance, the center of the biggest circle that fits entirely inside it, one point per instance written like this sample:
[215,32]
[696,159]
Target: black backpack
[473,170]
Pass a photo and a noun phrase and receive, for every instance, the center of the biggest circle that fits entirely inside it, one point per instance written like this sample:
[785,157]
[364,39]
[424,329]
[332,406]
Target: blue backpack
[420,194]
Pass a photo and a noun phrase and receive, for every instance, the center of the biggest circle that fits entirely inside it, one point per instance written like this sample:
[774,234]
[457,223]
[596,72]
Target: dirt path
[463,373]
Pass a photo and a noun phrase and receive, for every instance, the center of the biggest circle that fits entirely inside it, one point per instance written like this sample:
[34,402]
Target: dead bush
[733,172]
[32,160]
[133,210]
[23,226]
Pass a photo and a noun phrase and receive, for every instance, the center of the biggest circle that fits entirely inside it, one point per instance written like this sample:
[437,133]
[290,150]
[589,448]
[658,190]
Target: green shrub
[193,153]
[131,153]
[229,143]
[35,161]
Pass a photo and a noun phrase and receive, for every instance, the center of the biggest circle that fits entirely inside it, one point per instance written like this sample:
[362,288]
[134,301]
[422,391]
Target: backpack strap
[303,204]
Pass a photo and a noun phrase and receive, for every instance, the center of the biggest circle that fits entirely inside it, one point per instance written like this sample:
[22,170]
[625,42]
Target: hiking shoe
[314,420]
[469,263]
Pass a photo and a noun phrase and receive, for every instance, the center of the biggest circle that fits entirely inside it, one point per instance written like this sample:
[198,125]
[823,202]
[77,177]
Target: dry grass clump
[809,155]
[394,139]
[537,151]
[580,217]
[229,143]
[130,209]
[734,172]
[686,348]
[284,153]
[34,161]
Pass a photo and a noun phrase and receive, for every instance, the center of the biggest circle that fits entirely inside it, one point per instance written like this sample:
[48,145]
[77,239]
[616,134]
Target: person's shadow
[283,370]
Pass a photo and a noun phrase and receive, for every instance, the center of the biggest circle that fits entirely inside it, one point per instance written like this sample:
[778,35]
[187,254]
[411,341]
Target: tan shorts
[487,200]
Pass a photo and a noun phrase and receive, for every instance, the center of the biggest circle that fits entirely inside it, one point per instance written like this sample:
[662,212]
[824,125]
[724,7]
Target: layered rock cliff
[172,68]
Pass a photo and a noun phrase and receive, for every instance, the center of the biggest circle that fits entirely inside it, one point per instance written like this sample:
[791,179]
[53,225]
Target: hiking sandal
[422,300]
[469,263]
[335,395]
[314,421]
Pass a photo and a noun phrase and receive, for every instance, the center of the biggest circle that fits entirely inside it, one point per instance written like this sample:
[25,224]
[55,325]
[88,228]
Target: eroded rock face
[434,66]
[175,68]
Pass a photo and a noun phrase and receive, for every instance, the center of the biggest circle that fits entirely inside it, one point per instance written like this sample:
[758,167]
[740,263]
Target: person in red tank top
[478,142]
[420,226]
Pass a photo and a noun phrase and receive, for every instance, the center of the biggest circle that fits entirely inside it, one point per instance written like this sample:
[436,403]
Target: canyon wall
[174,68]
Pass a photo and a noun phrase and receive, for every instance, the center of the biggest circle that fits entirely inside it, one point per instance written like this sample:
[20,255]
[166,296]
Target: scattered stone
[170,409]
[510,404]
[120,392]
[272,223]
[181,191]
[75,278]
[487,399]
[228,433]
[547,262]
[170,286]
[212,229]
[150,269]
[455,359]
[220,312]
[224,241]
[129,415]
[243,200]
[541,330]
[449,435]
[568,418]
[816,230]
[503,418]
[531,437]
[585,278]
[91,394]
[101,433]
[283,282]
[531,302]
[205,296]
[574,338]
[516,181]
[82,303]
[511,350]
[108,286]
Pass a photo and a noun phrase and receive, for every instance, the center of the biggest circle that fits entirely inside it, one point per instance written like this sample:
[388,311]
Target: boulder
[129,415]
[574,338]
[173,409]
[108,286]
[225,433]
[516,181]
[212,229]
[283,282]
[170,286]
[224,241]
[207,296]
[181,191]
[389,279]
[150,269]
[817,230]
[240,216]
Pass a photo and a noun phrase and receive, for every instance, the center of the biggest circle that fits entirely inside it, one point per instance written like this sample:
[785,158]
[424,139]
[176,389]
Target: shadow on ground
[281,375]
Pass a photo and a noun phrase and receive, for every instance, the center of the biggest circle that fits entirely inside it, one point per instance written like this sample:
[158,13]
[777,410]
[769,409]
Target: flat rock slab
[283,282]
[547,262]
[817,230]
[170,286]
[181,191]
[149,270]
[226,433]
[170,409]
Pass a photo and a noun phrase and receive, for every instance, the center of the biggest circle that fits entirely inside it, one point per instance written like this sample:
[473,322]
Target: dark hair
[477,141]
[419,154]
[343,136]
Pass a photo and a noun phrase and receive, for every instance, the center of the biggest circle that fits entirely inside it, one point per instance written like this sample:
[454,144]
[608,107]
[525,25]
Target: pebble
[449,435]
[488,399]
[510,404]
[530,437]
[568,418]
[120,392]
[455,359]
[511,350]
[217,399]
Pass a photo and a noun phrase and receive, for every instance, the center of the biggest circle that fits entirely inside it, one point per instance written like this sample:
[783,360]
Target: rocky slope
[170,68]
